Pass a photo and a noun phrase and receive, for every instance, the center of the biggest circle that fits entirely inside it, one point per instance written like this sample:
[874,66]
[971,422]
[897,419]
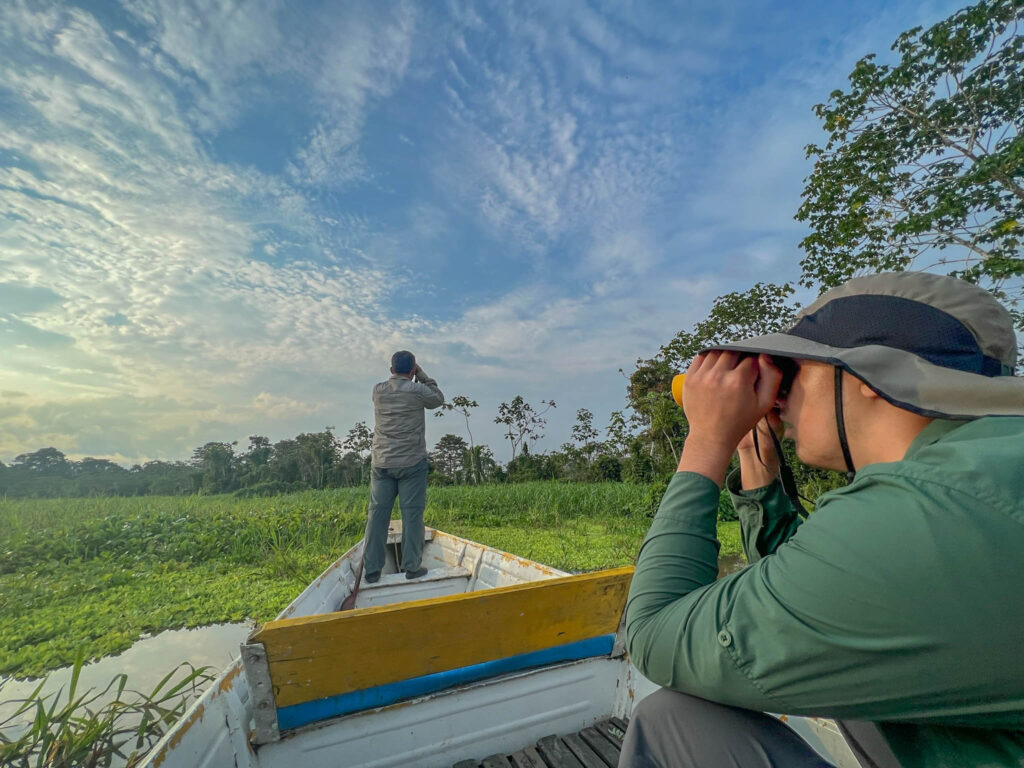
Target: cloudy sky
[219,218]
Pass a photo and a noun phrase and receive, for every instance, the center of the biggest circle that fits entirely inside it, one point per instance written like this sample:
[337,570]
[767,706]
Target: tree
[449,456]
[255,462]
[359,441]
[522,421]
[317,456]
[584,434]
[618,434]
[924,156]
[45,461]
[480,461]
[763,308]
[216,465]
[462,404]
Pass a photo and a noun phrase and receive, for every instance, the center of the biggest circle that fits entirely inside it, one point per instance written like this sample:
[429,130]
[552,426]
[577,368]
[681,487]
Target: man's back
[399,438]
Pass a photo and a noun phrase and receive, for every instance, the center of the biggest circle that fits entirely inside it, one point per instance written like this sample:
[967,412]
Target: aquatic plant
[95,575]
[113,726]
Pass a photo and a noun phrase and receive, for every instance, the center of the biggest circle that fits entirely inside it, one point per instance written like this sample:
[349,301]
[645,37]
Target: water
[146,663]
[731,564]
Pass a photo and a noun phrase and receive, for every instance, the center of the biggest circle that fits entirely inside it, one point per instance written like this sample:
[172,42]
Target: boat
[489,659]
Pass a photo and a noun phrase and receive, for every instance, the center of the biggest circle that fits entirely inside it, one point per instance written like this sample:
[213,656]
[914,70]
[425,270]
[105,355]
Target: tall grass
[94,728]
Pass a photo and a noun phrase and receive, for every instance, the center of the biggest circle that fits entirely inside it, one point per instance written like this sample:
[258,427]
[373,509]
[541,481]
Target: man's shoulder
[979,460]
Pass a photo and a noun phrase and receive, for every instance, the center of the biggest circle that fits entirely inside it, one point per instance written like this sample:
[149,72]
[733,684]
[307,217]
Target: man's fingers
[768,382]
[699,362]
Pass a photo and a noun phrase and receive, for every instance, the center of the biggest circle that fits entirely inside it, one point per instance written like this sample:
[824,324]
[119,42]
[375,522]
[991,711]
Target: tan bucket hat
[930,344]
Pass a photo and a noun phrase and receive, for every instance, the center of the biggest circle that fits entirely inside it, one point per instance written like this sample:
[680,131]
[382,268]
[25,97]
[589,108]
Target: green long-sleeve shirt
[900,600]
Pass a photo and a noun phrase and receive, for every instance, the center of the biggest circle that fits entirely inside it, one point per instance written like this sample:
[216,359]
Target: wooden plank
[583,753]
[556,754]
[621,724]
[467,764]
[611,732]
[496,761]
[608,752]
[527,758]
[315,657]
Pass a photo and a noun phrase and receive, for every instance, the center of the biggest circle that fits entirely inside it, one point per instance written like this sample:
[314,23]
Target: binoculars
[787,365]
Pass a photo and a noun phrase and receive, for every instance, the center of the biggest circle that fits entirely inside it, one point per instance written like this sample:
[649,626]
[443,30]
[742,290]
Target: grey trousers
[675,730]
[409,484]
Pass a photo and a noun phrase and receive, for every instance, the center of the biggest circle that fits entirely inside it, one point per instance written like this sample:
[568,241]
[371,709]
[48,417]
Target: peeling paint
[226,682]
[179,733]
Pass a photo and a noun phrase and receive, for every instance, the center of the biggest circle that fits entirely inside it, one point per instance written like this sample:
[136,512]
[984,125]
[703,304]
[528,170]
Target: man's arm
[818,628]
[430,395]
[766,515]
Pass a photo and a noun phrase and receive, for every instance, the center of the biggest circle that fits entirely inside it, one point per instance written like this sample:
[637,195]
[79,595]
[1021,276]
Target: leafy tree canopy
[925,157]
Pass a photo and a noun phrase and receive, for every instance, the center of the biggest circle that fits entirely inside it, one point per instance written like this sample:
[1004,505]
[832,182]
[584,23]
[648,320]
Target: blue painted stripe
[382,695]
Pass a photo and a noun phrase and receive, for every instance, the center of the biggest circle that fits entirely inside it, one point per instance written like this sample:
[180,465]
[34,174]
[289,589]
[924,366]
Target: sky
[219,219]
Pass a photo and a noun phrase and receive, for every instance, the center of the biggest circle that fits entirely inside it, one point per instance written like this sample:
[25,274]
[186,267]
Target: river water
[146,663]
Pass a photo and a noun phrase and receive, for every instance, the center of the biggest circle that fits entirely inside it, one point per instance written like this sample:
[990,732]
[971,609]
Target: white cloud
[361,62]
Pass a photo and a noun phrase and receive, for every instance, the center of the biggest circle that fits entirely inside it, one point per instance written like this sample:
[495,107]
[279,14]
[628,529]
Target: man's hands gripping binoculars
[728,393]
[731,400]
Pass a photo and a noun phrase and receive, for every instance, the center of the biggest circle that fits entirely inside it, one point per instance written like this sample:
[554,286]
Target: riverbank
[89,577]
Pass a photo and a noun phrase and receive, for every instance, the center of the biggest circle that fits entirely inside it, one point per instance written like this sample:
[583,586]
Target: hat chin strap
[841,426]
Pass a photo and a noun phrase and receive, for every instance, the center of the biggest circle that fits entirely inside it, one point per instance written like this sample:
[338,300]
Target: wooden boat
[489,659]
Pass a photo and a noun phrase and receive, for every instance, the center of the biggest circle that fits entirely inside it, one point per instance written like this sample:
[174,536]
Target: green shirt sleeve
[767,518]
[816,628]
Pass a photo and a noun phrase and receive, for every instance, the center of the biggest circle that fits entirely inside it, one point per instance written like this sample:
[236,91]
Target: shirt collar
[934,432]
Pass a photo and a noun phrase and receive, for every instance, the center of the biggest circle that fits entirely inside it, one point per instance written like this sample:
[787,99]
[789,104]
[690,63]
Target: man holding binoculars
[897,606]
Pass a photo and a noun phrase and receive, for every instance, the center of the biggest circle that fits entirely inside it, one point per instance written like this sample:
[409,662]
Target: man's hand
[758,472]
[726,395]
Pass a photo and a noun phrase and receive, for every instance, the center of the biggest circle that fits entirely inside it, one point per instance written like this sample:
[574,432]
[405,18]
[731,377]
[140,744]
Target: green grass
[88,577]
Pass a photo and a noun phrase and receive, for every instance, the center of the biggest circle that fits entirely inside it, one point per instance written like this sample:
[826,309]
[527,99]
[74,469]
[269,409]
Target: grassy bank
[91,576]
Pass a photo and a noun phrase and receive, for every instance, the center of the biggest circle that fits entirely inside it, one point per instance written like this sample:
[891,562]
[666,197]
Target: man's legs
[383,488]
[412,497]
[675,730]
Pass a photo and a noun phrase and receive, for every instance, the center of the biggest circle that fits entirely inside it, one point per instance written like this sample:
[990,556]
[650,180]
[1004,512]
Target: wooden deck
[595,747]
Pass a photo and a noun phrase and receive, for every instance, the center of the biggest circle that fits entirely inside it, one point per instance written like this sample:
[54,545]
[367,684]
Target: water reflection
[731,564]
[146,663]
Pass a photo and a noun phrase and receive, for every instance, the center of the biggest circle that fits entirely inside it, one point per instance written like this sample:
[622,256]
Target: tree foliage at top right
[926,156]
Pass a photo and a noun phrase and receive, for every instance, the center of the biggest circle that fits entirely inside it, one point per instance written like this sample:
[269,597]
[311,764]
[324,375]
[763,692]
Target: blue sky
[219,219]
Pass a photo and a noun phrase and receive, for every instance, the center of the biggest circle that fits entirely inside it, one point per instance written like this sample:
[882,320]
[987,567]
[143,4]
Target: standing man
[399,463]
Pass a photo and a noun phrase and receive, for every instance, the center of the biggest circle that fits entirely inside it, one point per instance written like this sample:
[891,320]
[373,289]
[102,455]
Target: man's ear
[867,391]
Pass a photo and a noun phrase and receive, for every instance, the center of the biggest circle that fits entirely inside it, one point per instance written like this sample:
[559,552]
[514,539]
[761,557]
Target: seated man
[898,606]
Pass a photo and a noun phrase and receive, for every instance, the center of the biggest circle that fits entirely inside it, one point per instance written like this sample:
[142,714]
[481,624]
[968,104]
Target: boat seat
[409,644]
[434,574]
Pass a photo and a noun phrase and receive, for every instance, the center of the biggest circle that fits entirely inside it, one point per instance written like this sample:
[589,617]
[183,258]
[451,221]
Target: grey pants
[675,730]
[409,484]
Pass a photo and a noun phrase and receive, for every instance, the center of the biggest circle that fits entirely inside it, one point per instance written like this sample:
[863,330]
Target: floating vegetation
[92,576]
[113,726]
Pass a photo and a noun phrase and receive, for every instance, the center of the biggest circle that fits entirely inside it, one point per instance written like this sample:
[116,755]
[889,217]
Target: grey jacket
[399,438]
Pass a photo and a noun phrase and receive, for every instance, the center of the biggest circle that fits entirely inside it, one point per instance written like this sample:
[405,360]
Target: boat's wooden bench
[595,747]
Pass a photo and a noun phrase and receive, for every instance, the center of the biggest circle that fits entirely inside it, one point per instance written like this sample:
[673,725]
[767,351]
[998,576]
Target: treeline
[319,460]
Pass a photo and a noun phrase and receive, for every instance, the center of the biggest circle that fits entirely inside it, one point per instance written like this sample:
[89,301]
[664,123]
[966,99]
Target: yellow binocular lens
[677,388]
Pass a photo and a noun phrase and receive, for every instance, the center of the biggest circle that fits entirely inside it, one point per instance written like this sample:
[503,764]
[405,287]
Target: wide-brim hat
[930,344]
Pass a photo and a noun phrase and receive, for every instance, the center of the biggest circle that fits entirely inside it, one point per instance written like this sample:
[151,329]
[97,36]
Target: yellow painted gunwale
[313,657]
